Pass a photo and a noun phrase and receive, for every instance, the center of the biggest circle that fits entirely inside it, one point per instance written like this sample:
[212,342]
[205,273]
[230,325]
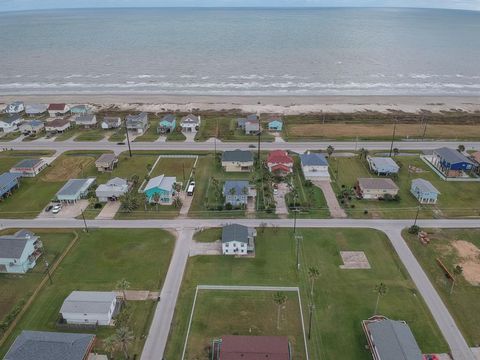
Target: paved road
[62,146]
[158,335]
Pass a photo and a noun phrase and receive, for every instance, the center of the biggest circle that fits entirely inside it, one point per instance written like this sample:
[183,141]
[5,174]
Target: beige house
[376,188]
[106,162]
[237,161]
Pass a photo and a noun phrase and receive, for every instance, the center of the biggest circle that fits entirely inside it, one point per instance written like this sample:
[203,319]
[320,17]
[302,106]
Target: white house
[238,239]
[86,121]
[35,109]
[10,124]
[15,107]
[111,122]
[190,123]
[112,190]
[314,166]
[29,167]
[89,307]
[19,252]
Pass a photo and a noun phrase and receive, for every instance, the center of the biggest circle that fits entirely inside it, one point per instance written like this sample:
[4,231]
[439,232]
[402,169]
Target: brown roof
[377,184]
[476,156]
[254,348]
[57,122]
[56,106]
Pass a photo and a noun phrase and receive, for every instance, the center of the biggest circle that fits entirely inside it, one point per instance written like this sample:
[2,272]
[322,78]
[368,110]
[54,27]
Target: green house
[161,186]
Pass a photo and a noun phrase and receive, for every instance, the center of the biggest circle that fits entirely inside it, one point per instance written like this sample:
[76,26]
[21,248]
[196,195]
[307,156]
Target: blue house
[451,162]
[382,165]
[19,252]
[8,182]
[424,191]
[275,124]
[236,192]
[162,185]
[167,124]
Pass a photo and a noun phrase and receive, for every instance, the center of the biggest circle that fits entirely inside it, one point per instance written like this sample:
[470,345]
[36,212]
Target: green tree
[124,338]
[396,151]
[129,202]
[381,289]
[330,150]
[461,148]
[123,285]
[110,345]
[313,274]
[280,299]
[458,270]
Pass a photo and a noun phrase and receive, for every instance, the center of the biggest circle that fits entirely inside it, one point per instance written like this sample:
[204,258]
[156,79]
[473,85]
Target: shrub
[414,229]
[352,206]
[365,211]
[228,206]
[97,205]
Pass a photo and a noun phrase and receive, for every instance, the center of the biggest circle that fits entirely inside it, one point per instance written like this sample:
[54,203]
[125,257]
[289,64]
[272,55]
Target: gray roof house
[44,345]
[424,191]
[137,123]
[238,239]
[252,127]
[89,307]
[314,166]
[74,189]
[35,109]
[106,162]
[390,339]
[451,162]
[86,120]
[237,160]
[19,252]
[236,192]
[382,165]
[29,167]
[376,188]
[32,126]
[111,122]
[15,107]
[112,190]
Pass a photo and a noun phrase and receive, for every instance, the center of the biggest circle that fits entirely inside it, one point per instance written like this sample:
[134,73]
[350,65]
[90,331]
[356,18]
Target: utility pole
[183,170]
[298,238]
[47,266]
[215,140]
[84,222]
[416,216]
[259,136]
[393,136]
[311,307]
[128,139]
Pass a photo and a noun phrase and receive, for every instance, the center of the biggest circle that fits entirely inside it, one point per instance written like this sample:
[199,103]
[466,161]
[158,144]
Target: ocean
[294,52]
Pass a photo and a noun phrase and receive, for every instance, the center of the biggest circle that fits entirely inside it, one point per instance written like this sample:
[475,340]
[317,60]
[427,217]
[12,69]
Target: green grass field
[463,302]
[10,136]
[176,136]
[96,134]
[67,134]
[118,135]
[208,235]
[455,200]
[98,260]
[151,133]
[244,312]
[343,298]
[17,287]
[178,167]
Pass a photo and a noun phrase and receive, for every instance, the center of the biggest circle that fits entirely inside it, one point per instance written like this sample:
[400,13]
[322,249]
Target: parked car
[275,191]
[48,208]
[252,146]
[191,188]
[120,143]
[56,209]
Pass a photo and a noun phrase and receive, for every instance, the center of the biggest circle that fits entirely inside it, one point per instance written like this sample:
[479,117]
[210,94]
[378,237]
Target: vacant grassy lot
[151,133]
[17,287]
[178,167]
[342,297]
[176,136]
[208,235]
[456,198]
[73,131]
[463,302]
[118,135]
[140,256]
[96,134]
[245,313]
[10,136]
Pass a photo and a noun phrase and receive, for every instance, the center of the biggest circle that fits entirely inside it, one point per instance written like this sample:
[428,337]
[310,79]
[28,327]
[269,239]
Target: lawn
[10,136]
[246,313]
[208,235]
[225,126]
[16,288]
[463,302]
[310,200]
[73,131]
[176,136]
[91,134]
[140,256]
[178,167]
[118,136]
[343,298]
[151,133]
[455,200]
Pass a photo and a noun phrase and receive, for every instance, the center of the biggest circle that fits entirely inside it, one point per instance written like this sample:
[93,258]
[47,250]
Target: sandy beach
[286,105]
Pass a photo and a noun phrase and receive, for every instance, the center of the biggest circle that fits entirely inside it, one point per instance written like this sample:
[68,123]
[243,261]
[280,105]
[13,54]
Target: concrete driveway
[279,197]
[68,211]
[109,210]
[186,203]
[210,248]
[336,211]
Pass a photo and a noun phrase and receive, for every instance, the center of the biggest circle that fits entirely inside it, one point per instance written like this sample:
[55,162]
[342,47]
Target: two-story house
[19,252]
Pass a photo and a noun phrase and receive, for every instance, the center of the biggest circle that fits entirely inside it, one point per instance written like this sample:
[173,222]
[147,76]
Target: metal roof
[394,340]
[313,159]
[383,162]
[424,185]
[11,119]
[377,184]
[27,163]
[254,348]
[86,118]
[190,119]
[234,232]
[35,108]
[12,246]
[43,345]
[237,156]
[162,182]
[88,302]
[6,178]
[170,118]
[238,185]
[106,158]
[75,186]
[452,156]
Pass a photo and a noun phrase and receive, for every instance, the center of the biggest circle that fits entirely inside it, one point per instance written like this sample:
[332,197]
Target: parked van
[191,188]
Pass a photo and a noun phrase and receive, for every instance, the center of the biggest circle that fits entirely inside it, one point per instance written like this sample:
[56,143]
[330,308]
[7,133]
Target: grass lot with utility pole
[95,134]
[342,298]
[247,312]
[463,301]
[141,256]
[151,133]
[455,200]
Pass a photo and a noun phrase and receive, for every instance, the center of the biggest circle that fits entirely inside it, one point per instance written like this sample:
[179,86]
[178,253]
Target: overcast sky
[9,5]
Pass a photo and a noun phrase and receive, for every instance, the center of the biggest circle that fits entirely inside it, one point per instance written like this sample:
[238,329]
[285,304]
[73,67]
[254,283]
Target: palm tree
[124,337]
[123,285]
[313,274]
[156,199]
[280,299]
[461,148]
[135,179]
[396,151]
[110,345]
[381,289]
[363,153]
[330,150]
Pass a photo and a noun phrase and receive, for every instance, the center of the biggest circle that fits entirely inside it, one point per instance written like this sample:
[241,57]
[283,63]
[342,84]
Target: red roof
[254,348]
[281,167]
[55,107]
[279,157]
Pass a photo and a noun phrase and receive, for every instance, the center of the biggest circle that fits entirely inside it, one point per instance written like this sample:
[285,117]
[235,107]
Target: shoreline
[286,105]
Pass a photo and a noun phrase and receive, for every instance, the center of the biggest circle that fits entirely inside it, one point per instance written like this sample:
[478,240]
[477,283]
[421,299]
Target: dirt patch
[354,260]
[68,167]
[469,256]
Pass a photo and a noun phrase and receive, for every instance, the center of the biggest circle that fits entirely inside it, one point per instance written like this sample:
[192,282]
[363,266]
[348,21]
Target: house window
[243,245]
[226,245]
[226,251]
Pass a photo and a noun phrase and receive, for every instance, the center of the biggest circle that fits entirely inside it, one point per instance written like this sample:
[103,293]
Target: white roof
[88,302]
[162,182]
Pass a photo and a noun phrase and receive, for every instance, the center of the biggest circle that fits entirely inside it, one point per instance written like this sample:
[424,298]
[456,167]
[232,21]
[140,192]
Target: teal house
[167,124]
[160,189]
[19,252]
[80,110]
[275,124]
